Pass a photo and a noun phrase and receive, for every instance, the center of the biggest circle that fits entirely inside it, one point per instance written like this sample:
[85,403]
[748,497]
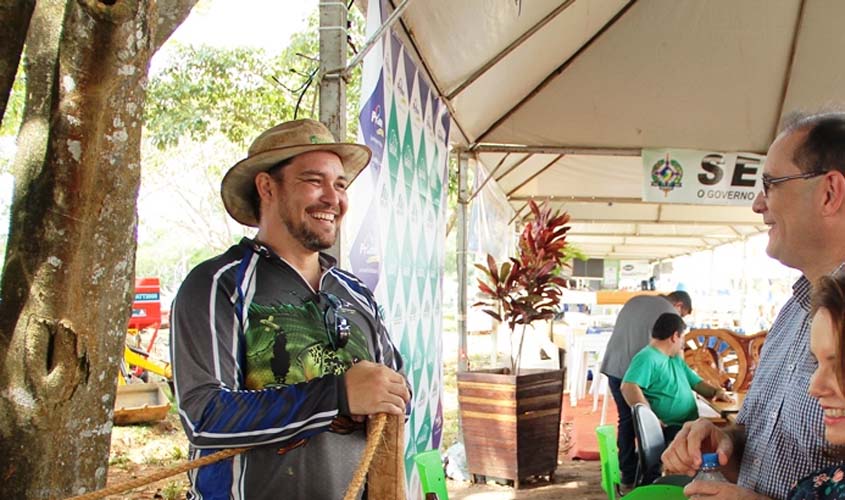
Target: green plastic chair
[611,478]
[656,492]
[432,478]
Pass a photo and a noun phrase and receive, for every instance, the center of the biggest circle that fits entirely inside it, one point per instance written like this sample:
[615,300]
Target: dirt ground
[141,450]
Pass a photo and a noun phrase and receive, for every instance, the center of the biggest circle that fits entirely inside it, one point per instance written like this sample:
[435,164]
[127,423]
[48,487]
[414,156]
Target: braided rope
[158,476]
[374,439]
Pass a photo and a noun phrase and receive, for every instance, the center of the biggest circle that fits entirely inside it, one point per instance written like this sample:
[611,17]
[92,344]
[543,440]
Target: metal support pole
[333,87]
[333,55]
[463,165]
[369,44]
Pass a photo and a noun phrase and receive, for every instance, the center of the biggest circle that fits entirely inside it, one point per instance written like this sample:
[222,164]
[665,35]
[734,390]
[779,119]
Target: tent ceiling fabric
[588,83]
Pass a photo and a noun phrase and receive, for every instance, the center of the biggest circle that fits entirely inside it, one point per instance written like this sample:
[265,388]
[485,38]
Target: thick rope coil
[378,422]
[158,476]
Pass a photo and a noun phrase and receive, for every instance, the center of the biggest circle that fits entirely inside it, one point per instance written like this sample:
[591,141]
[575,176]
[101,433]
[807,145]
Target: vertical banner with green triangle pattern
[394,231]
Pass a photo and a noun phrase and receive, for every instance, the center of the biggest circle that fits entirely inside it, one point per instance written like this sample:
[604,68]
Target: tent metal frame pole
[517,213]
[526,181]
[582,199]
[489,176]
[369,44]
[510,48]
[568,150]
[435,85]
[462,249]
[651,235]
[333,87]
[557,72]
[513,167]
[332,55]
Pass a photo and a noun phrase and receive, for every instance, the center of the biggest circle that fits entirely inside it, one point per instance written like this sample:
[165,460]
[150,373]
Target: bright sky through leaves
[264,24]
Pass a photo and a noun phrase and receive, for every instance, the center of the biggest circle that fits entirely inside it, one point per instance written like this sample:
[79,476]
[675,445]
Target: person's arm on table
[710,392]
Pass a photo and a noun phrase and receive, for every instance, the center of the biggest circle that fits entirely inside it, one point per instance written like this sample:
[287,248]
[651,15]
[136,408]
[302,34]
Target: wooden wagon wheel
[717,356]
[753,345]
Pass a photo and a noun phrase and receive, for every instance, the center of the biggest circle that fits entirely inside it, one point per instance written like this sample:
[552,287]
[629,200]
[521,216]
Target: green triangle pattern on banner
[421,265]
[391,264]
[434,276]
[423,436]
[408,162]
[394,147]
[410,448]
[431,346]
[436,184]
[419,346]
[407,266]
[422,172]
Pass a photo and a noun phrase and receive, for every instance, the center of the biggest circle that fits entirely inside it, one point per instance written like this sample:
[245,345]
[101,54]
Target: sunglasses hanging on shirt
[335,319]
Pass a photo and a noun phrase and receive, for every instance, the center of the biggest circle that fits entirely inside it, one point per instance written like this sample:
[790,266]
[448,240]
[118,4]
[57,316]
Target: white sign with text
[701,177]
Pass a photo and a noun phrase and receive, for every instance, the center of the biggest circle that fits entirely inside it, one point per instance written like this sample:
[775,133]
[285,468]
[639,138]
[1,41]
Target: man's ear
[834,193]
[264,185]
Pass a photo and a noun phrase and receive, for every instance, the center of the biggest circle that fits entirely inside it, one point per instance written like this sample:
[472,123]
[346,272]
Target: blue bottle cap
[710,460]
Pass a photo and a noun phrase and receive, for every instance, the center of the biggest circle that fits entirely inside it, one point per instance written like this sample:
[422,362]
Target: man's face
[682,311]
[788,209]
[677,343]
[312,198]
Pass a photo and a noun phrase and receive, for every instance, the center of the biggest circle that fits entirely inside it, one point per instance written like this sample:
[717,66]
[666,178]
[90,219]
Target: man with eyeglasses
[273,346]
[780,433]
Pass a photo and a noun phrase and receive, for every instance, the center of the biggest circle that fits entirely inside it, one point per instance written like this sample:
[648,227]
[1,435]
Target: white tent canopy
[558,97]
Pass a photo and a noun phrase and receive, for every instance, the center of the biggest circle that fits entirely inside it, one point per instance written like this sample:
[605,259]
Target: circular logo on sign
[666,174]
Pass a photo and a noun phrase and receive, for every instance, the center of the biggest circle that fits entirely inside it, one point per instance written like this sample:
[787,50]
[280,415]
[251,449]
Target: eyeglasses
[337,325]
[768,182]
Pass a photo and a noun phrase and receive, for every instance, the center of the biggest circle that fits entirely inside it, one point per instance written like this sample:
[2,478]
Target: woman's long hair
[829,294]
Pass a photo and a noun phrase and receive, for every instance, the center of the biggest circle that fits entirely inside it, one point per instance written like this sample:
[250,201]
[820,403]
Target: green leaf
[485,271]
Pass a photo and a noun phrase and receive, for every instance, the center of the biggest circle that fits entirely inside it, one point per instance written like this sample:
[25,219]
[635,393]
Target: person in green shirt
[660,378]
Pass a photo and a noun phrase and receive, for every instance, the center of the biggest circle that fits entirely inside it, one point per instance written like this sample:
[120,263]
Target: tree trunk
[68,277]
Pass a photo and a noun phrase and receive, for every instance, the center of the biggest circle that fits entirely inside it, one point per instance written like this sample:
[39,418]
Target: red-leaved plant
[526,288]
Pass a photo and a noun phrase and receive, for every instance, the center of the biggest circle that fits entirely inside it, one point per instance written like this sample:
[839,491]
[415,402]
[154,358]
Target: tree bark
[67,284]
[14,17]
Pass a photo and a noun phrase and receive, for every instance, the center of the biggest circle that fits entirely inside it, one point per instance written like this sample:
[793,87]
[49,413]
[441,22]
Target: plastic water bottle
[709,470]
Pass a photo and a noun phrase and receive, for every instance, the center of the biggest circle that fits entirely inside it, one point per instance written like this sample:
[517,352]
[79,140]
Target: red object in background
[146,312]
[146,308]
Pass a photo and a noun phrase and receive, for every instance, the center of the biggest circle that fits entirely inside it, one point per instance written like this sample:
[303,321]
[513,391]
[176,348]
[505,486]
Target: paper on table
[705,410]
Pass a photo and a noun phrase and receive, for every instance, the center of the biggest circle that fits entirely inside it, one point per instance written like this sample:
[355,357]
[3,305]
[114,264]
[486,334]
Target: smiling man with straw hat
[275,347]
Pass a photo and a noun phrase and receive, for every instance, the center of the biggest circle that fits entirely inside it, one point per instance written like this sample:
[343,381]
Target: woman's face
[823,384]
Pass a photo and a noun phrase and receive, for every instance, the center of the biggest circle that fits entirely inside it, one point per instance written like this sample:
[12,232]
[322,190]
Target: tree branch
[171,14]
[15,16]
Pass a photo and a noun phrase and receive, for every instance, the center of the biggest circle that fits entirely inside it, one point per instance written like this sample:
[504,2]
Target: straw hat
[279,143]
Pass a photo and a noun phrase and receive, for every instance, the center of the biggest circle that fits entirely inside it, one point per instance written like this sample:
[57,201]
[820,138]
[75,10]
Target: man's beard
[307,238]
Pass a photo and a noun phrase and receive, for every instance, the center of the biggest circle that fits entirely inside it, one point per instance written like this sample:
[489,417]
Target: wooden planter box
[511,424]
[138,403]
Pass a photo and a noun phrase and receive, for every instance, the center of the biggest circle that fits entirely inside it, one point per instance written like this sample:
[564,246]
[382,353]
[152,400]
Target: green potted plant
[510,416]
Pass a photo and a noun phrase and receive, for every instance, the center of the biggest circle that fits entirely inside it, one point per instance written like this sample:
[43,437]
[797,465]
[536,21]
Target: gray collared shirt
[783,424]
